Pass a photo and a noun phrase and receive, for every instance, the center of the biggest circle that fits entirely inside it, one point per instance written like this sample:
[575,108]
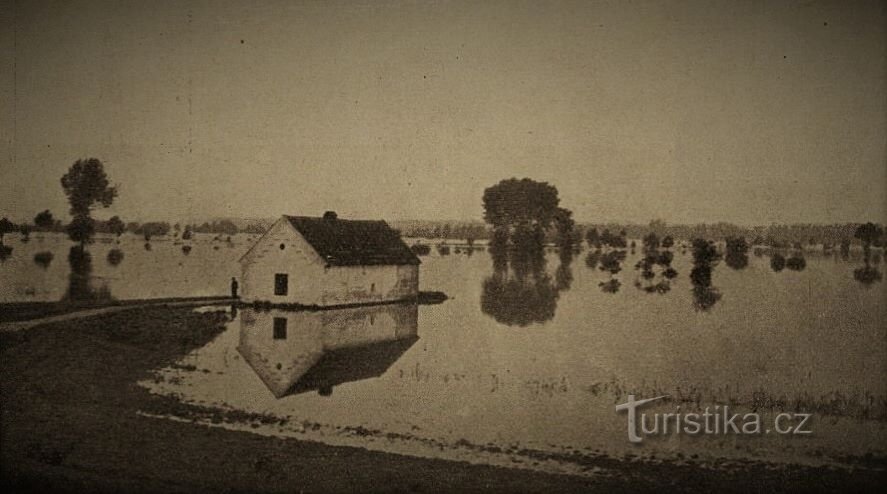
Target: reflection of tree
[608,262]
[777,262]
[705,257]
[563,277]
[867,274]
[655,267]
[520,291]
[611,262]
[80,280]
[592,258]
[115,257]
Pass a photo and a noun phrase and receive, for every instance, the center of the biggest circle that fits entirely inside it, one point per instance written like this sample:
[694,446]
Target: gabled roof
[353,242]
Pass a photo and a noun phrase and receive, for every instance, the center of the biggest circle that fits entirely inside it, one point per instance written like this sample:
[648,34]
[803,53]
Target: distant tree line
[775,235]
[443,229]
[46,222]
[612,234]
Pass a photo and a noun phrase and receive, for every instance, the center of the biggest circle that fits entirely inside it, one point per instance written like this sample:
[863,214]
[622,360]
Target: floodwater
[162,270]
[524,365]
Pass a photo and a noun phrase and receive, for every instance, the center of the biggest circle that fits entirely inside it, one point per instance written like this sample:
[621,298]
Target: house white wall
[296,259]
[311,282]
[368,284]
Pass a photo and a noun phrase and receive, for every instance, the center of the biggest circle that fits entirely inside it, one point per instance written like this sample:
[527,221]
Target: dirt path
[6,327]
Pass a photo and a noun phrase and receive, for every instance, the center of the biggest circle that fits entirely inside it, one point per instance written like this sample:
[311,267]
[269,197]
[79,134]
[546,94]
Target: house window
[279,328]
[281,284]
[372,288]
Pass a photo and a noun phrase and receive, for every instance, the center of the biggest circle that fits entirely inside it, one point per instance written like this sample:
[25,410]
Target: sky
[749,112]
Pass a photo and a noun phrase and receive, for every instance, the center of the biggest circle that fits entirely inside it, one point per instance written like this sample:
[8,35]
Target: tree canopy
[87,185]
[525,202]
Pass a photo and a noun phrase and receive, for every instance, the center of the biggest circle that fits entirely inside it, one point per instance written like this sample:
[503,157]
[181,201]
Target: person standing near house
[234,287]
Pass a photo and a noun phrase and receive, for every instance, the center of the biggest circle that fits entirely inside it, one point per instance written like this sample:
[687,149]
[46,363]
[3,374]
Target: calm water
[523,366]
[161,272]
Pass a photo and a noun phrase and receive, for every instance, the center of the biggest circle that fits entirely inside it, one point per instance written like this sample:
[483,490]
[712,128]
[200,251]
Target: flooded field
[524,365]
[40,270]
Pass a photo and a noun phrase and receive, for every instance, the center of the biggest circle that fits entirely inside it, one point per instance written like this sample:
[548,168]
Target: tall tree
[521,209]
[86,185]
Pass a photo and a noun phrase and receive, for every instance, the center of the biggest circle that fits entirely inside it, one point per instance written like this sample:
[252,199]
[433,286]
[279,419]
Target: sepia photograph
[358,246]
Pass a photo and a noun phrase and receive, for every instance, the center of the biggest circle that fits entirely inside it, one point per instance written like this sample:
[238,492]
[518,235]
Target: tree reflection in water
[656,272]
[520,291]
[705,257]
[868,274]
[563,277]
[80,280]
[5,252]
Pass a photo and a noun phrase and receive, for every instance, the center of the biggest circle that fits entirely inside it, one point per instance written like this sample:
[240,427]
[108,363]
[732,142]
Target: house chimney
[330,215]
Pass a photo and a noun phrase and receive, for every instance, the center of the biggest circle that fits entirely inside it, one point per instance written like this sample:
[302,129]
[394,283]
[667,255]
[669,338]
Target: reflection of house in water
[298,351]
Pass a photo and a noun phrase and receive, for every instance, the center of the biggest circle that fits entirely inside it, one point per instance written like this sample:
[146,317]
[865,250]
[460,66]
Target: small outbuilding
[329,262]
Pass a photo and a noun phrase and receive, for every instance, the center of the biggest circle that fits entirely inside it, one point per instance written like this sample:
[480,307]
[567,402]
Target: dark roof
[354,242]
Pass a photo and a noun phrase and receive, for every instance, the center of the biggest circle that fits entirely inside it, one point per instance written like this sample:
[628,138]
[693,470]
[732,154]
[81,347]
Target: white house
[329,262]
